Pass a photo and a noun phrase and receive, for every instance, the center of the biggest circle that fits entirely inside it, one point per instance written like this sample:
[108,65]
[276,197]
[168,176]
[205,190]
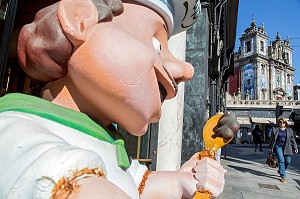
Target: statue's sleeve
[137,171]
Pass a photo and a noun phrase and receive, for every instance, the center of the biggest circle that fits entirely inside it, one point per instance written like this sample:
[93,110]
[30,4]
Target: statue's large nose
[181,71]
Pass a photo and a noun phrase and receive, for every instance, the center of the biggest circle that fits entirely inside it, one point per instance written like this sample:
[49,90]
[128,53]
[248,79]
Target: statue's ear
[76,17]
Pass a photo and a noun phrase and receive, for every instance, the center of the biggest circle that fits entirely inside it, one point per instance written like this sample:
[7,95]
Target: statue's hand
[205,174]
[228,126]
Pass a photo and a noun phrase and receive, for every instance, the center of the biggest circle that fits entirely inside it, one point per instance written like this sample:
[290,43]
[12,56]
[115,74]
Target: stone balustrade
[263,102]
[234,101]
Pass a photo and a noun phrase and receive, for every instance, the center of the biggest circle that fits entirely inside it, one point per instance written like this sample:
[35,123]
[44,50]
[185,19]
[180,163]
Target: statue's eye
[156,45]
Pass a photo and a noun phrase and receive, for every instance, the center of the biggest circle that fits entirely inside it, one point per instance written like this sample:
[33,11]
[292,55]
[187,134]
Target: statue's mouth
[167,86]
[173,81]
[163,92]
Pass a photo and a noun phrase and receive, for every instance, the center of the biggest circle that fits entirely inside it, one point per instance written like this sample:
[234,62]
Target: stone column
[171,122]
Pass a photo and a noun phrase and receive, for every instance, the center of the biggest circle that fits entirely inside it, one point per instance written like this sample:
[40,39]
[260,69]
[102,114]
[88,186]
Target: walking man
[257,137]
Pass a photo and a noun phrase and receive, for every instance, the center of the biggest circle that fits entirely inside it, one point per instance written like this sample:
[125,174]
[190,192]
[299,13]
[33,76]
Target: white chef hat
[179,15]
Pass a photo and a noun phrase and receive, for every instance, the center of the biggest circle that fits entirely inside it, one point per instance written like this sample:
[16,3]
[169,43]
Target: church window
[287,57]
[248,46]
[278,80]
[262,46]
[288,79]
[262,69]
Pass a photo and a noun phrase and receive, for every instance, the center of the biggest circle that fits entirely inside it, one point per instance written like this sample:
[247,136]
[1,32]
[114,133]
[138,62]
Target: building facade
[263,68]
[263,80]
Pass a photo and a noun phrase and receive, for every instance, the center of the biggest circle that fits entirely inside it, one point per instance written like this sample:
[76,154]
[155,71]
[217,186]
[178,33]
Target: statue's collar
[65,116]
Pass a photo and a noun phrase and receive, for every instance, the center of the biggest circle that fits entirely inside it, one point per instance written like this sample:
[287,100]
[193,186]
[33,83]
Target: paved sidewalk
[248,177]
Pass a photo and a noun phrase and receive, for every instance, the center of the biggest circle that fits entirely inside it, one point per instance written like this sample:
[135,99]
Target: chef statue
[99,65]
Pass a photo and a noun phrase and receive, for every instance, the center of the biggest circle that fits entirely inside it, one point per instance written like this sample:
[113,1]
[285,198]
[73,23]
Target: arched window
[248,47]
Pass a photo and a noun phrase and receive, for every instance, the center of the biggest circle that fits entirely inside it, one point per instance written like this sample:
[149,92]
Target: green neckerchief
[65,116]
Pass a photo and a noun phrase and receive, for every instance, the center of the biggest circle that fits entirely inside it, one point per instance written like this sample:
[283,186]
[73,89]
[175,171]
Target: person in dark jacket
[283,143]
[257,137]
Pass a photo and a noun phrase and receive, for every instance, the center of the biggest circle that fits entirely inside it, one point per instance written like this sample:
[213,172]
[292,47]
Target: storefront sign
[3,9]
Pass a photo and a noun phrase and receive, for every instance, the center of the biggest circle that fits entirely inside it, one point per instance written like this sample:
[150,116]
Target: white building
[263,69]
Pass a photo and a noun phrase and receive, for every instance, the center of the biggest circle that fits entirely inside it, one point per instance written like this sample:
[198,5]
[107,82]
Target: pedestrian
[283,143]
[100,67]
[257,137]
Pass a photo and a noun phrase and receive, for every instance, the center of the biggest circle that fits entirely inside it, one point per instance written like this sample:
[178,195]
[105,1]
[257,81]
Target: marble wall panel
[196,90]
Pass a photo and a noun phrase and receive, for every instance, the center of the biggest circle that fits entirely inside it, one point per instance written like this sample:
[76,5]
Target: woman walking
[283,143]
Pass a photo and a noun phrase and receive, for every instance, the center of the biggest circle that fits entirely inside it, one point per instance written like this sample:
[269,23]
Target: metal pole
[213,97]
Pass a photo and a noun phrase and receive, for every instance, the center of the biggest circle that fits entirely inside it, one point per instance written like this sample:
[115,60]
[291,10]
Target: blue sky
[277,16]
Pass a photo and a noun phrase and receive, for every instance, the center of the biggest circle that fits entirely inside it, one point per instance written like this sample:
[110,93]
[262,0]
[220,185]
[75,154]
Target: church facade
[263,68]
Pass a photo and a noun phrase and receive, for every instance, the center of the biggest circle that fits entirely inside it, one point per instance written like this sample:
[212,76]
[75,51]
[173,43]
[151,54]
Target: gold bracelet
[206,152]
[142,184]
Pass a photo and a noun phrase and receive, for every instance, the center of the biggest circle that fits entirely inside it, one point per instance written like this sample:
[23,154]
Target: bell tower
[254,65]
[282,71]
